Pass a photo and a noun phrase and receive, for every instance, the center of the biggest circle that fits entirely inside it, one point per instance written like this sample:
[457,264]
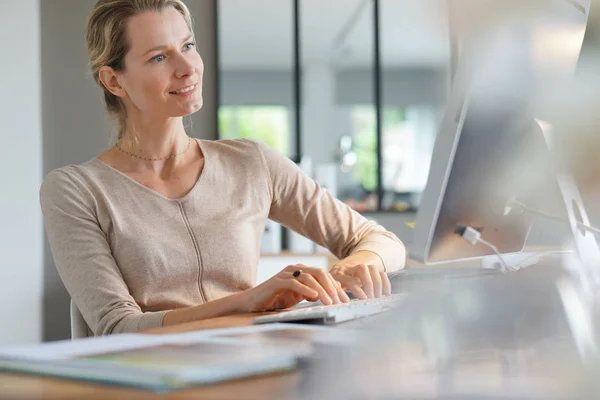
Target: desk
[505,325]
[265,387]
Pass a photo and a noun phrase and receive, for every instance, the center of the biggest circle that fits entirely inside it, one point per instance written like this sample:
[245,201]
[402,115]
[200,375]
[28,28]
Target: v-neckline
[162,196]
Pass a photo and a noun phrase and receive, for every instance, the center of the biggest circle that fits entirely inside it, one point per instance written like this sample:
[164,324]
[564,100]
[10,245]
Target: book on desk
[174,361]
[155,362]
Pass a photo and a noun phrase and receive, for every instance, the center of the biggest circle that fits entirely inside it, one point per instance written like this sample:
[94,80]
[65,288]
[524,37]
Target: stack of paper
[168,362]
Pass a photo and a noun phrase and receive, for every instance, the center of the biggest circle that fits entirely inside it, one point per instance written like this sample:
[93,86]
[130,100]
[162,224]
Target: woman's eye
[189,46]
[159,58]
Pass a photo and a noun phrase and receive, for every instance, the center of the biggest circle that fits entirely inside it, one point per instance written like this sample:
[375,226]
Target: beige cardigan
[128,254]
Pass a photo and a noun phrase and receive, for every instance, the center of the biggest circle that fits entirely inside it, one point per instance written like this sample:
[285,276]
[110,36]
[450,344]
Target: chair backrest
[79,328]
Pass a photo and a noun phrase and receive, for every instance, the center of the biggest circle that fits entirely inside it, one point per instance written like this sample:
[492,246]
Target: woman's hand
[364,281]
[289,287]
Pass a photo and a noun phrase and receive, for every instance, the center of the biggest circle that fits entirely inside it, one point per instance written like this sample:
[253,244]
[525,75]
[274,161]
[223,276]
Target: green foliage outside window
[365,141]
[268,124]
[365,147]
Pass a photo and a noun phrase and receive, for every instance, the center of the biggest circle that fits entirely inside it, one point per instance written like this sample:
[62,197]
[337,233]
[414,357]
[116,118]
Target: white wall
[21,166]
[74,122]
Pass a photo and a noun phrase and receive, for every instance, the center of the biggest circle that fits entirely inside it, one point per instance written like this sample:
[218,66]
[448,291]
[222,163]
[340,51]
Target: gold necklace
[155,159]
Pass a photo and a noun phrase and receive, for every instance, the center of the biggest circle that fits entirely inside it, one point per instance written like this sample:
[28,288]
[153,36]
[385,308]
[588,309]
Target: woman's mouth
[186,91]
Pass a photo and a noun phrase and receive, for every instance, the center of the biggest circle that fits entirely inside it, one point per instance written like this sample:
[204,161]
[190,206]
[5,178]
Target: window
[268,124]
[310,78]
[408,136]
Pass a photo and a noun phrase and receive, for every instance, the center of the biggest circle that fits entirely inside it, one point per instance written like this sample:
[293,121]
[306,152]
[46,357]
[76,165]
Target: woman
[163,229]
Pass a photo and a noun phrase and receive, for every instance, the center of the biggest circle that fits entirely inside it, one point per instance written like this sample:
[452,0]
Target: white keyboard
[335,313]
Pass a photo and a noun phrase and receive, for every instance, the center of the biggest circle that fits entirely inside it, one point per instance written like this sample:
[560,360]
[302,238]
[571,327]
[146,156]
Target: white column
[21,249]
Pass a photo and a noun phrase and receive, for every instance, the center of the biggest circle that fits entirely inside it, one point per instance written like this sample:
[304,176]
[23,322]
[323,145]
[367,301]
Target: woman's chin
[189,109]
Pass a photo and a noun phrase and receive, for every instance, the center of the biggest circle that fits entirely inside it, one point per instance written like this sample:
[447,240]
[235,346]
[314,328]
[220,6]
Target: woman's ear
[109,78]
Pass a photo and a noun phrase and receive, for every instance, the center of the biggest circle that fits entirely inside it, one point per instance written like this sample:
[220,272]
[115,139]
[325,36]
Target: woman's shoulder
[70,178]
[233,146]
[238,153]
[73,172]
[243,148]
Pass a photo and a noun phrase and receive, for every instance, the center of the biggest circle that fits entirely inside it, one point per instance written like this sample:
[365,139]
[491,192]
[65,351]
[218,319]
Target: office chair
[79,328]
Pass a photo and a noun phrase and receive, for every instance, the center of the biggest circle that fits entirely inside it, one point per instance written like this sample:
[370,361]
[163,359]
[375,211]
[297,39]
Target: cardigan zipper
[197,249]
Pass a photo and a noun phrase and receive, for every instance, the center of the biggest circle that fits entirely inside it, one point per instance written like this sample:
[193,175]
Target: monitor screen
[490,148]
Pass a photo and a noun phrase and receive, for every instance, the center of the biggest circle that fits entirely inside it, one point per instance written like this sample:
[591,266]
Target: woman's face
[163,71]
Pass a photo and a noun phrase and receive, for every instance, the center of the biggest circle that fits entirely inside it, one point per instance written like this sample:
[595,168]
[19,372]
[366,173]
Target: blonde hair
[108,44]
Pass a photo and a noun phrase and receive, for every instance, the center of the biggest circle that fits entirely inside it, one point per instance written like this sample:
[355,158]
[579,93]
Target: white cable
[542,254]
[513,202]
[495,249]
[473,236]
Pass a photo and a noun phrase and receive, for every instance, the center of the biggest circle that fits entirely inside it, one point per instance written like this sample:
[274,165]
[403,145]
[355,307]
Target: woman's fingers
[310,281]
[324,279]
[341,292]
[364,281]
[363,273]
[376,279]
[353,285]
[386,284]
[300,288]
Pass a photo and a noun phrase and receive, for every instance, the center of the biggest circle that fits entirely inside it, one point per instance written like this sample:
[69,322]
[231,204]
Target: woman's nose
[184,67]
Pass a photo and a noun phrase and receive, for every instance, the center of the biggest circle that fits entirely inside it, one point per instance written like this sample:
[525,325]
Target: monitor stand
[514,261]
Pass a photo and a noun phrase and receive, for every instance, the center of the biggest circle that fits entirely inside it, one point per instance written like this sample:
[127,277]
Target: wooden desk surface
[265,387]
[274,386]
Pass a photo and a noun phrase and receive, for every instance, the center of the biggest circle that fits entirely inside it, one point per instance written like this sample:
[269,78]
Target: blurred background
[352,90]
[372,90]
[355,99]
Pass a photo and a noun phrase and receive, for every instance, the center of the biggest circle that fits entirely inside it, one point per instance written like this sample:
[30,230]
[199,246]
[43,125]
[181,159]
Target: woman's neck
[155,141]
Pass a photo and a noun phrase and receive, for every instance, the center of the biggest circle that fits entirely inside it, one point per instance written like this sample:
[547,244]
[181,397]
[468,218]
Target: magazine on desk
[303,338]
[168,362]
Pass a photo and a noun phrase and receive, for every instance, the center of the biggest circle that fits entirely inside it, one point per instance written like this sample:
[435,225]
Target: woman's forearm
[363,257]
[370,258]
[234,304]
[377,247]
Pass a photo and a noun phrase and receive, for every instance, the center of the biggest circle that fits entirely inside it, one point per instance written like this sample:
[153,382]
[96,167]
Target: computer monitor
[490,147]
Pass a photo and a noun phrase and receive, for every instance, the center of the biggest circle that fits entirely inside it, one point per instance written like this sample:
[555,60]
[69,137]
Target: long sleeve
[84,260]
[299,203]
